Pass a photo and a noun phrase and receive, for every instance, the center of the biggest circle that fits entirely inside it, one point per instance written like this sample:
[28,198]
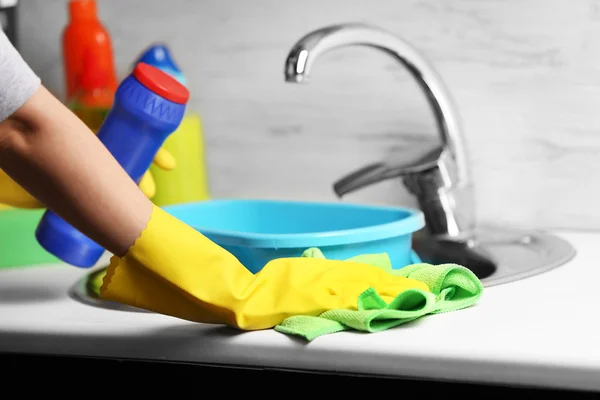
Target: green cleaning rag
[452,286]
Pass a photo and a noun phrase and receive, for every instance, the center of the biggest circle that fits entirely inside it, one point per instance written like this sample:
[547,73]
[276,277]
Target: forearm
[55,157]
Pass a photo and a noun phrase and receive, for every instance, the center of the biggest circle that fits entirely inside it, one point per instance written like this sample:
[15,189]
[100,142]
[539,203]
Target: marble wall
[525,76]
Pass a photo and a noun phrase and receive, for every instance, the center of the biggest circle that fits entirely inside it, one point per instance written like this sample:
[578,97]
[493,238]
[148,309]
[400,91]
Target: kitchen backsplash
[525,76]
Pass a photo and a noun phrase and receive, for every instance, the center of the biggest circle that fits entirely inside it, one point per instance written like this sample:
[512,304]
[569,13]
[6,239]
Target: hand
[172,269]
[13,195]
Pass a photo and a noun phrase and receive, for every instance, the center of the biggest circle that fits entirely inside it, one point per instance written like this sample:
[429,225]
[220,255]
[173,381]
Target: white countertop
[541,331]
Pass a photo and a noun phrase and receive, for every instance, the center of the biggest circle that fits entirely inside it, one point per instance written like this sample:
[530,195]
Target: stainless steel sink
[440,179]
[499,255]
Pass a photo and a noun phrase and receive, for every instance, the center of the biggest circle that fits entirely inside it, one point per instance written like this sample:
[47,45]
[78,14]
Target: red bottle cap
[161,83]
[82,9]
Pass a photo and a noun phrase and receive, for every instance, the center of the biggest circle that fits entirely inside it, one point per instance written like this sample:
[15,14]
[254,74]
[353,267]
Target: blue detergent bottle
[188,181]
[149,105]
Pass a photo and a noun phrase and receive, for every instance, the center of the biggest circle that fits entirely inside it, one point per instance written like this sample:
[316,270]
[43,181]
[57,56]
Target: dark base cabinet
[85,377]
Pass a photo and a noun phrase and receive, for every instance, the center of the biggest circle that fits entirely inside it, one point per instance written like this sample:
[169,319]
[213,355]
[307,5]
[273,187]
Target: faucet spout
[442,186]
[307,50]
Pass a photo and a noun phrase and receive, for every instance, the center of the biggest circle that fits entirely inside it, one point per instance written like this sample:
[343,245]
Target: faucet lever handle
[381,171]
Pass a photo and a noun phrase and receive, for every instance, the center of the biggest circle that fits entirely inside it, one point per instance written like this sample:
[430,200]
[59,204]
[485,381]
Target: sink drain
[499,255]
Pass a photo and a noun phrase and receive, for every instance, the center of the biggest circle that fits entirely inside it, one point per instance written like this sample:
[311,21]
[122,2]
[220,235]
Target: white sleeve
[18,82]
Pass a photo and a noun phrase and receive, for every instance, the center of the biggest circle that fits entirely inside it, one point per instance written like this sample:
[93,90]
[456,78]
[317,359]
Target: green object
[452,286]
[18,245]
[95,280]
[381,260]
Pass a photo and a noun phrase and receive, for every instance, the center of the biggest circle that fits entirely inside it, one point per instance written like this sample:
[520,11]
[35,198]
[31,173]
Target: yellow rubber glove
[13,195]
[172,269]
[164,160]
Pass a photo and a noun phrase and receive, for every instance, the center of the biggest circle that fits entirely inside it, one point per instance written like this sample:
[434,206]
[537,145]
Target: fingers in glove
[164,159]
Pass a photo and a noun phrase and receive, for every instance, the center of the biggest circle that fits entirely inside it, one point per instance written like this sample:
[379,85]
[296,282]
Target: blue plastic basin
[258,231]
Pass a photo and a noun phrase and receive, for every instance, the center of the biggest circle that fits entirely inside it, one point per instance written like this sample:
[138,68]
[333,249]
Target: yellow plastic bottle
[187,182]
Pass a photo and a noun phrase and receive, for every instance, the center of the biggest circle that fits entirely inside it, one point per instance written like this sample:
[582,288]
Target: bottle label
[139,97]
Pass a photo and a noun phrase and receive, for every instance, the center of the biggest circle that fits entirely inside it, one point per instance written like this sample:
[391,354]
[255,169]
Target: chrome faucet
[440,179]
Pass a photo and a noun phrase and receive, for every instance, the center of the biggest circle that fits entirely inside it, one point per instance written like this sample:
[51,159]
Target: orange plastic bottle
[84,30]
[93,98]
